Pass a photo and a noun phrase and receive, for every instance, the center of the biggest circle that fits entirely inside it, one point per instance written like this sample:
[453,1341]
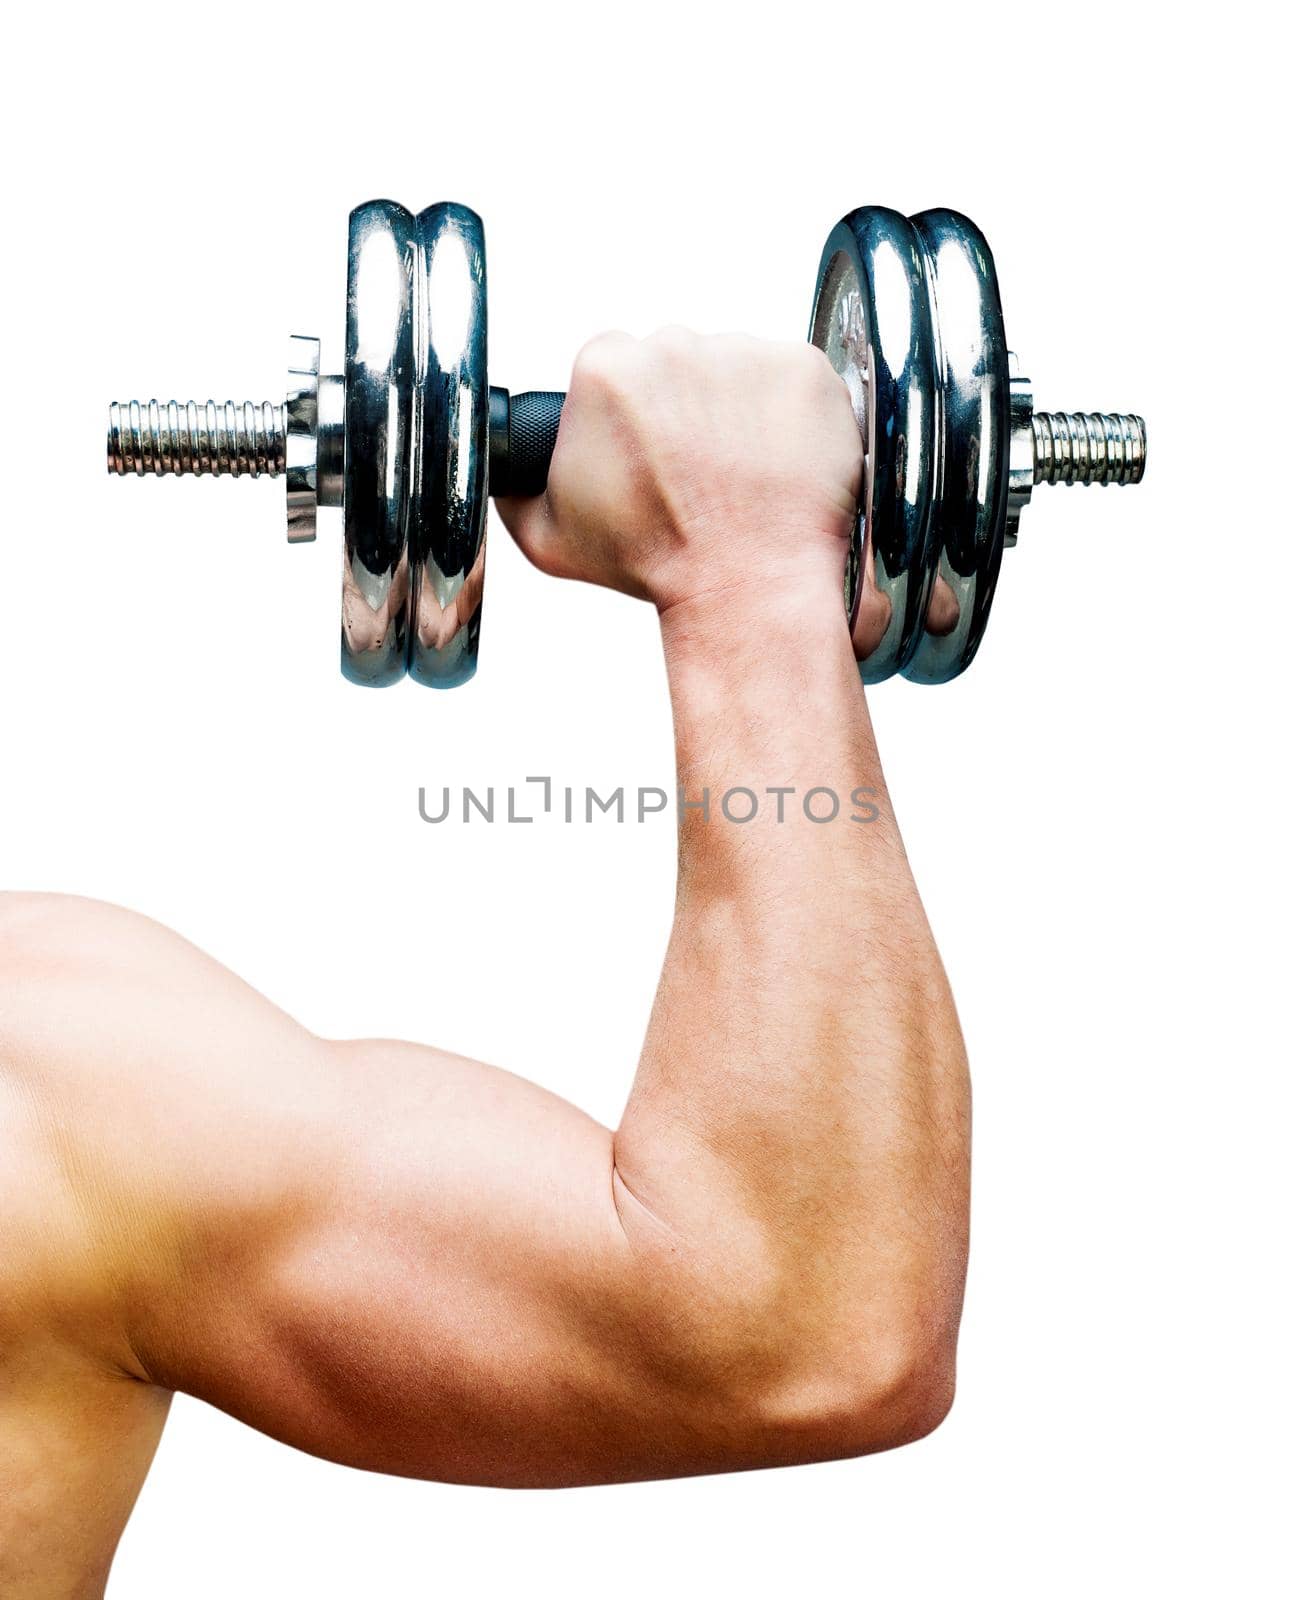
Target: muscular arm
[416,1263]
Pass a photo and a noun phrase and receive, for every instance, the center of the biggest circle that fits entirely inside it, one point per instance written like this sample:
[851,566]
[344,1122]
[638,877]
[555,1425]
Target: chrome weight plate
[379,423]
[449,500]
[973,429]
[872,319]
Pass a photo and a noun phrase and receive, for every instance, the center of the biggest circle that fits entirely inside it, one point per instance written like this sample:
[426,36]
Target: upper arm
[378,1252]
[434,1289]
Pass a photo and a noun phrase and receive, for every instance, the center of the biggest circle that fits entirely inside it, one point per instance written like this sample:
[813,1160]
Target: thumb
[530,524]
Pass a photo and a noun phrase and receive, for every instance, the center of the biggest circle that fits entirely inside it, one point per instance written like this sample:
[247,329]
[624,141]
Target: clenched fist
[690,466]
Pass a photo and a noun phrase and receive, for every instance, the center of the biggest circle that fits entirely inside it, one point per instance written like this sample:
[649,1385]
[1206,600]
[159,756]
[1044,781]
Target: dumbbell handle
[521,439]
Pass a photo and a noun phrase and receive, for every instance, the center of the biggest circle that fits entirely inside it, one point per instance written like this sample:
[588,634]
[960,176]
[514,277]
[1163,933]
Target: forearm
[801,1108]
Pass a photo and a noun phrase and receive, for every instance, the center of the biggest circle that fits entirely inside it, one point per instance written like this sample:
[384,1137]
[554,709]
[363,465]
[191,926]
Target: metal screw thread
[189,436]
[1088,447]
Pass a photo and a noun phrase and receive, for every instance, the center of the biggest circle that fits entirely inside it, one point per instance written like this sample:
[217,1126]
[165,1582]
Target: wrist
[767,705]
[754,623]
[765,688]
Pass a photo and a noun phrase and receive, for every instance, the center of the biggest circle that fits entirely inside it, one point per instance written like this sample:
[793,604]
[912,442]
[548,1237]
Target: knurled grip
[521,440]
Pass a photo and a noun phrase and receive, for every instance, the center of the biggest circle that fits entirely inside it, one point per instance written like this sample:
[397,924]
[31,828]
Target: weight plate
[970,502]
[379,382]
[450,481]
[872,320]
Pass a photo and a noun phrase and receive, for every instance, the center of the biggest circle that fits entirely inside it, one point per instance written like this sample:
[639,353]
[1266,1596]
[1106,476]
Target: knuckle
[602,367]
[736,353]
[601,359]
[817,363]
[673,348]
[798,371]
[809,364]
[823,382]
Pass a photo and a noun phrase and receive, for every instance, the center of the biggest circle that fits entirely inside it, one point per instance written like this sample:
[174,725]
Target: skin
[417,1263]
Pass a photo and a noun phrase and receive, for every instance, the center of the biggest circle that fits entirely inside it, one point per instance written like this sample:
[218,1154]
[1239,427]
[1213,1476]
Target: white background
[1094,812]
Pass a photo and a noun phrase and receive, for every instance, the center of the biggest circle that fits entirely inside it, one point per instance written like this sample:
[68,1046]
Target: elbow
[891,1389]
[774,1364]
[785,1388]
[830,1365]
[894,1399]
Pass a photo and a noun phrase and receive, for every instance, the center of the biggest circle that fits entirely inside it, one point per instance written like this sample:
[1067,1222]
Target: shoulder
[49,942]
[47,1241]
[70,974]
[88,987]
[56,958]
[43,932]
[140,1082]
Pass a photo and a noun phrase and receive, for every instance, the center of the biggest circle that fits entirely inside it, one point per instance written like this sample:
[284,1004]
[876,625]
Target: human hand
[690,466]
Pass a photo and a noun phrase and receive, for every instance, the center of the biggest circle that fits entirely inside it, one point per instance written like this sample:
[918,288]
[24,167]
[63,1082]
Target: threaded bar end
[235,439]
[1088,447]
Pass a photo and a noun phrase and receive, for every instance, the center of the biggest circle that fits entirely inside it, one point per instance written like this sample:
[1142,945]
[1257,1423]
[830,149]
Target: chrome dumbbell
[411,440]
